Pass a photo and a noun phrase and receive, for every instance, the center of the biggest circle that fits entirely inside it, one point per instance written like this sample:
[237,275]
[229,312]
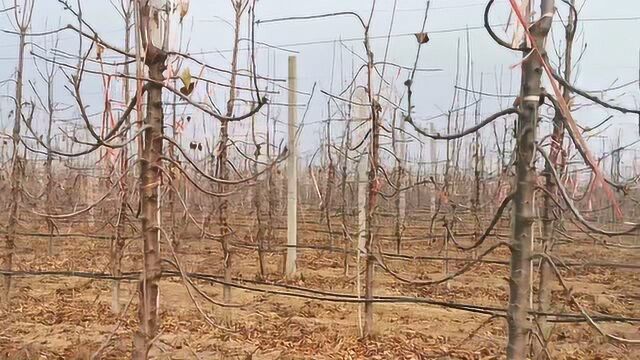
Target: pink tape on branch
[566,113]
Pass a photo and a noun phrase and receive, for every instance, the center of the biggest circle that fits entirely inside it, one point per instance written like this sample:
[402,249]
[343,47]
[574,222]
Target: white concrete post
[292,173]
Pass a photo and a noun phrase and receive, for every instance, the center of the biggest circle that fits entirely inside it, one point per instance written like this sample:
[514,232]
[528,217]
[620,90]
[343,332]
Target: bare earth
[70,318]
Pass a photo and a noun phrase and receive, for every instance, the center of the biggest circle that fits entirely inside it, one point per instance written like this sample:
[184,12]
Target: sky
[325,47]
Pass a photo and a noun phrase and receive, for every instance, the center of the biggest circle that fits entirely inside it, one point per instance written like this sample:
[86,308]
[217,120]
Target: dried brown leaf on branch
[422,38]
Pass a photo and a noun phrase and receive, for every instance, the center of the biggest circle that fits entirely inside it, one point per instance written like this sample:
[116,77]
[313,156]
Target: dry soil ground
[69,318]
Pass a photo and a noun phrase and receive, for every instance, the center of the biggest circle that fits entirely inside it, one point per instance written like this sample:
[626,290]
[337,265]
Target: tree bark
[372,197]
[346,143]
[17,168]
[49,162]
[150,179]
[222,171]
[524,214]
[257,202]
[329,184]
[117,247]
[401,201]
[549,218]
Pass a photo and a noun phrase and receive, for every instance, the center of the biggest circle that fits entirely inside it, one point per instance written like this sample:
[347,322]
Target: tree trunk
[372,197]
[222,171]
[117,247]
[272,196]
[401,201]
[257,201]
[223,223]
[524,213]
[150,178]
[325,210]
[548,222]
[346,143]
[17,167]
[369,222]
[49,162]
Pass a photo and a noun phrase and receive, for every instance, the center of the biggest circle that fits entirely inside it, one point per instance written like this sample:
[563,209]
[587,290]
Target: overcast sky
[609,28]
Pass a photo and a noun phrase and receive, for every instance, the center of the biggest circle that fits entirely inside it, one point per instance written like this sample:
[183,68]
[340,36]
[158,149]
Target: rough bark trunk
[223,223]
[369,222]
[117,247]
[524,214]
[325,209]
[17,167]
[49,163]
[272,196]
[401,201]
[549,218]
[257,203]
[372,197]
[150,178]
[346,143]
[222,171]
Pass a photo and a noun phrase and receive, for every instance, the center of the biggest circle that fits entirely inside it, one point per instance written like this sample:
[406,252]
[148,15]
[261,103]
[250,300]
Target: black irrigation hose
[282,248]
[320,295]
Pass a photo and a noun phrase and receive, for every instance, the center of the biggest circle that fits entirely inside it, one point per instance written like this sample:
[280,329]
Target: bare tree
[221,170]
[117,246]
[22,16]
[525,182]
[241,164]
[549,210]
[48,104]
[262,226]
[152,16]
[374,184]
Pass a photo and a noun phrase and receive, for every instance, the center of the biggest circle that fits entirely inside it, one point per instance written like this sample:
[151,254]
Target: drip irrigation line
[400,257]
[319,295]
